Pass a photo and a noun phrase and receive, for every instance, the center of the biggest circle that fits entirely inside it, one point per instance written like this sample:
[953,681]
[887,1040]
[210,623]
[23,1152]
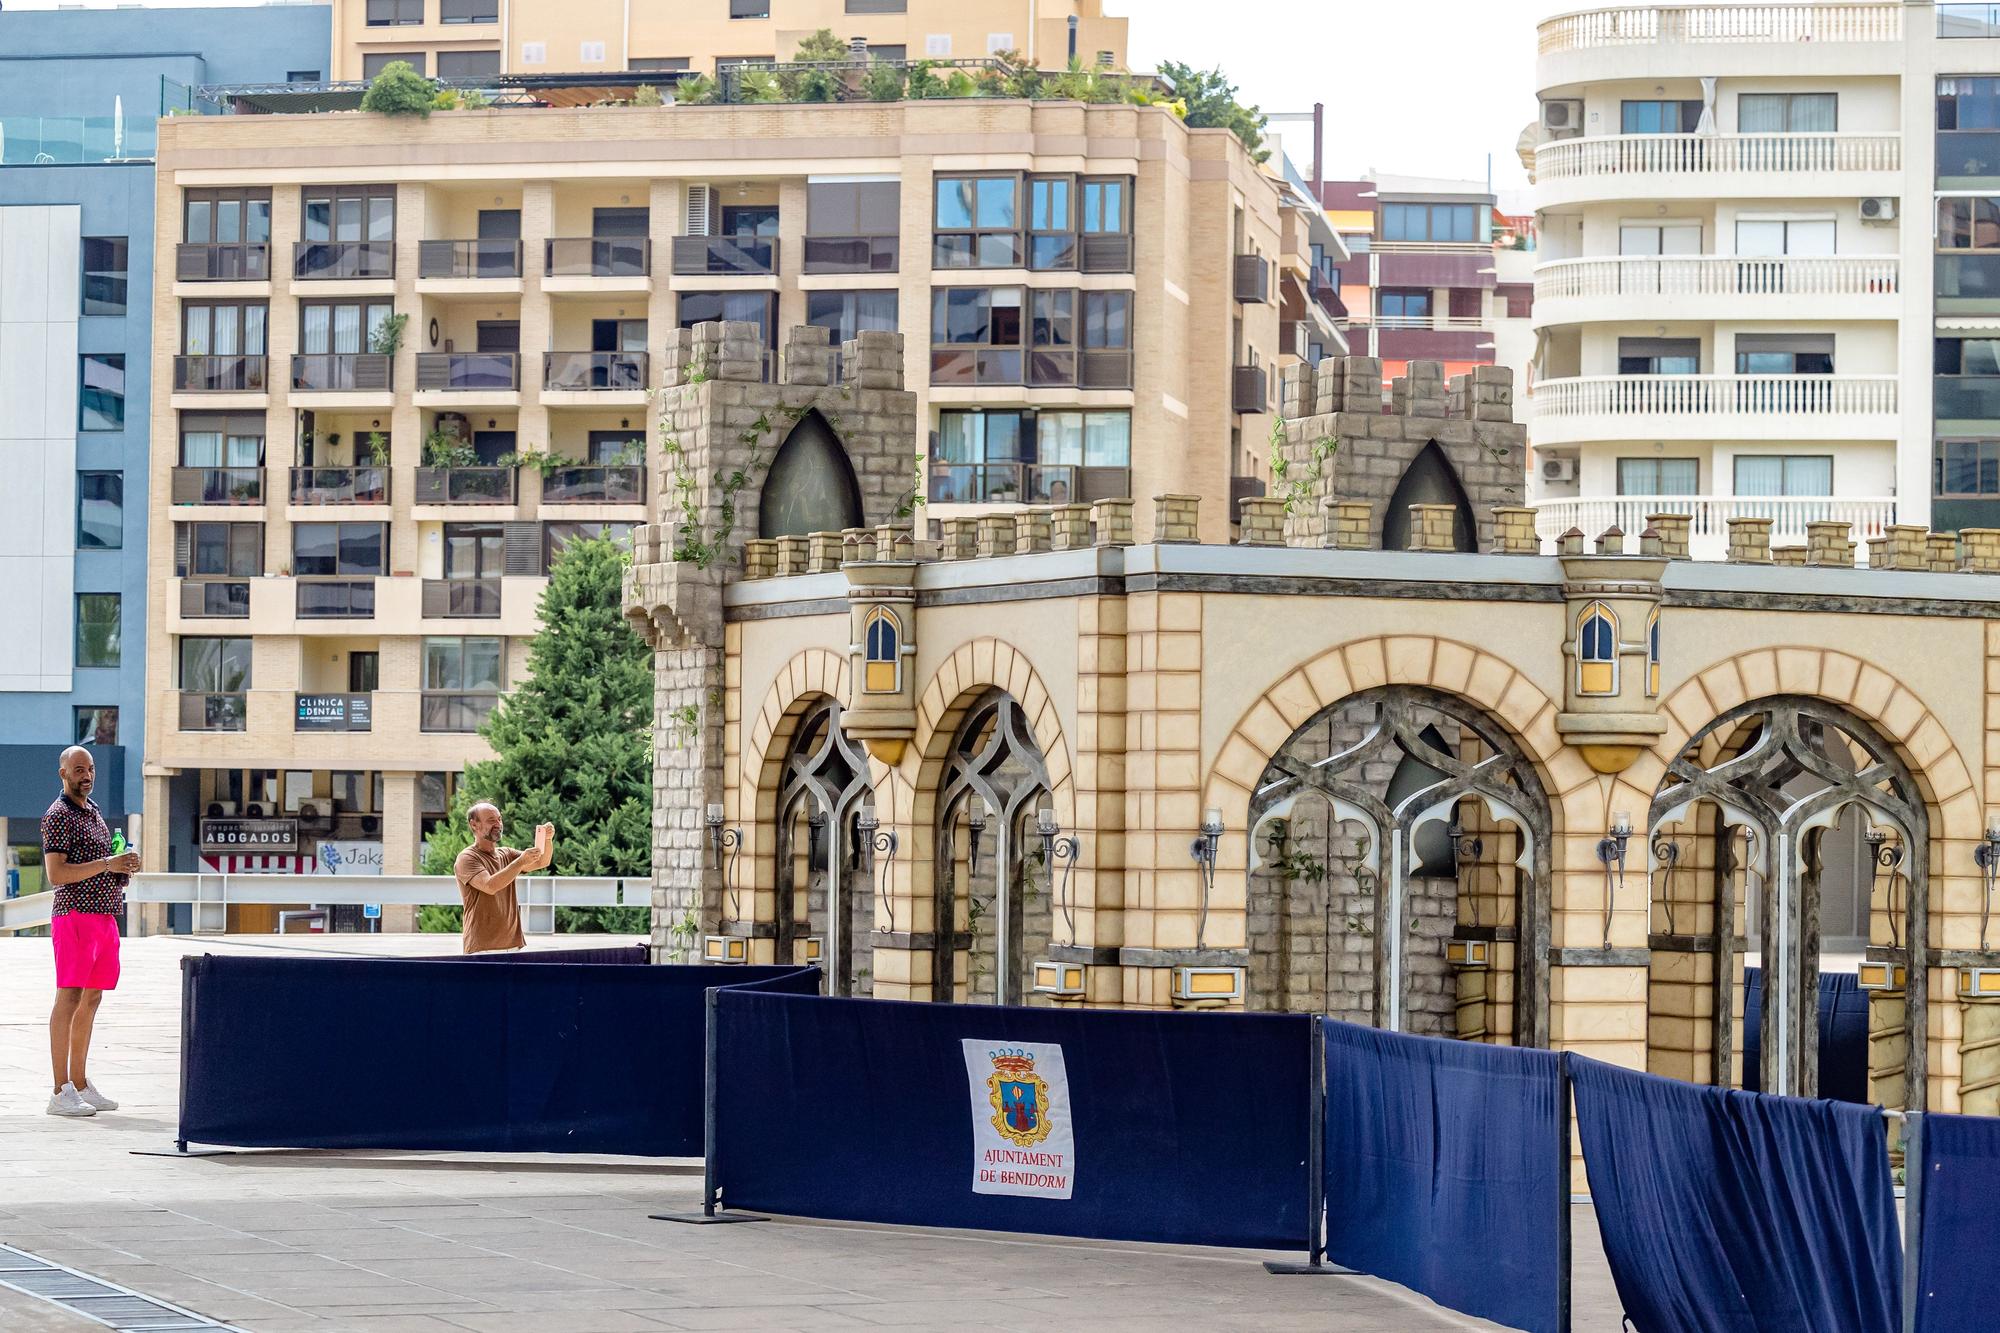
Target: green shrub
[400,91]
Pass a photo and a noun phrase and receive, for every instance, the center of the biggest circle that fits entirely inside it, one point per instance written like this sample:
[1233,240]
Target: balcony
[211,599]
[475,599]
[455,711]
[1707,407]
[201,711]
[581,372]
[1717,287]
[1024,483]
[328,261]
[468,259]
[697,256]
[1247,390]
[222,263]
[1726,24]
[220,374]
[1682,166]
[216,486]
[598,257]
[333,712]
[336,599]
[465,486]
[340,486]
[848,254]
[1709,515]
[595,483]
[1251,280]
[343,372]
[463,372]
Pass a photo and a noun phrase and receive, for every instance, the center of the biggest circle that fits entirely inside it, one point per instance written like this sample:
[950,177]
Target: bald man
[89,898]
[486,873]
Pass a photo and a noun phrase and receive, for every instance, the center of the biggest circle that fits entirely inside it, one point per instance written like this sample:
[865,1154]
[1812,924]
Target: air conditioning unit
[1562,118]
[1558,469]
[1878,208]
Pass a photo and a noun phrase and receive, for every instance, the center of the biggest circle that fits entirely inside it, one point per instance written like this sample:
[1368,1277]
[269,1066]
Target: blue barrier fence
[1954,1178]
[405,1053]
[619,953]
[1843,1035]
[1439,1151]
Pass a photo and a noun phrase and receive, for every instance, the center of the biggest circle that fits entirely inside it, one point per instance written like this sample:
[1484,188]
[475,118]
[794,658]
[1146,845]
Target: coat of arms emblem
[1020,1100]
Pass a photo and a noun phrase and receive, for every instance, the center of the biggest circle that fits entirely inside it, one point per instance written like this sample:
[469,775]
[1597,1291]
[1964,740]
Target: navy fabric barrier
[1439,1150]
[1961,1177]
[1190,1128]
[1724,1210]
[624,953]
[1843,1035]
[402,1053]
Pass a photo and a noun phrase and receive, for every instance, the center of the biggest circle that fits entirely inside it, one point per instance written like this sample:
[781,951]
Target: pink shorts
[86,950]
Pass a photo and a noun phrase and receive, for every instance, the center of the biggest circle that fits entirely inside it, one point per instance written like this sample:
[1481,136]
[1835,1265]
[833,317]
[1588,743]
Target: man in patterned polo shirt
[89,885]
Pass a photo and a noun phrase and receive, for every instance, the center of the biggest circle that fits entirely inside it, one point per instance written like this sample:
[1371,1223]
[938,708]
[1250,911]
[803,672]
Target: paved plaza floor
[398,1243]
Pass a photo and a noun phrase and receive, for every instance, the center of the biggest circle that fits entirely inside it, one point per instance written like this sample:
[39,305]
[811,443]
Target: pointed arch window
[882,642]
[1653,654]
[1597,650]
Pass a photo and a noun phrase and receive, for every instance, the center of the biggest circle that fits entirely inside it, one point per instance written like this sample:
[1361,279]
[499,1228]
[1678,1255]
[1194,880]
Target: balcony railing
[1968,20]
[235,262]
[212,599]
[468,259]
[1709,515]
[462,371]
[598,257]
[455,711]
[465,486]
[699,255]
[1040,367]
[1816,396]
[332,712]
[220,374]
[340,485]
[850,254]
[462,598]
[202,711]
[1404,323]
[1104,368]
[582,371]
[1716,154]
[1252,280]
[595,483]
[317,260]
[1024,483]
[1647,25]
[1106,252]
[1718,275]
[217,486]
[1248,391]
[336,599]
[343,372]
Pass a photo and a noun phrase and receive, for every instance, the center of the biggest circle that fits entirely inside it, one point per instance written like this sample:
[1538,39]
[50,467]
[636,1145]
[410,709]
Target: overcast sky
[1412,87]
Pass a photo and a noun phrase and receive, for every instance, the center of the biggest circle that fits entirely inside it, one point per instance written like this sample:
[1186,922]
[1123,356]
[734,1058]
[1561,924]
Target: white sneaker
[97,1100]
[69,1102]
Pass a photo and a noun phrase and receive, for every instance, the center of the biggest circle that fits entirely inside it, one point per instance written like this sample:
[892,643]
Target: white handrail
[1715,395]
[1709,515]
[1716,154]
[1718,275]
[1647,25]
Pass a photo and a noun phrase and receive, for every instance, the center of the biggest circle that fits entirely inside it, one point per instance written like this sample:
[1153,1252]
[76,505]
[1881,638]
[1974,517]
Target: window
[302,76]
[996,42]
[461,685]
[1968,223]
[1659,238]
[222,328]
[468,11]
[977,316]
[94,724]
[1050,457]
[884,652]
[534,53]
[977,222]
[474,550]
[1659,476]
[1430,222]
[1659,117]
[749,9]
[395,13]
[1785,113]
[100,511]
[555,536]
[467,64]
[1051,223]
[888,54]
[215,666]
[671,64]
[1107,319]
[104,267]
[1659,356]
[1968,104]
[1784,353]
[1967,468]
[341,327]
[227,217]
[210,439]
[97,629]
[590,53]
[350,212]
[1104,210]
[746,307]
[218,550]
[1653,654]
[937,44]
[1761,475]
[1790,236]
[847,313]
[878,6]
[352,549]
[375,62]
[1409,304]
[100,402]
[1597,650]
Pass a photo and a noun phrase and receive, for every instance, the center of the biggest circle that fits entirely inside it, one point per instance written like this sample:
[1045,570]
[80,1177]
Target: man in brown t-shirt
[486,873]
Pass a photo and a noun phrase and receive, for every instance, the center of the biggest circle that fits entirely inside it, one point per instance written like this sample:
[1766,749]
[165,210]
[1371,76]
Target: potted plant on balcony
[388,338]
[378,448]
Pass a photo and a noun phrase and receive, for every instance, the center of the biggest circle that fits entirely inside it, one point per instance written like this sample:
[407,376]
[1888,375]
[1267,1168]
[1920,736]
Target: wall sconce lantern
[1987,857]
[1611,854]
[1885,856]
[1203,850]
[877,841]
[724,948]
[1059,848]
[975,824]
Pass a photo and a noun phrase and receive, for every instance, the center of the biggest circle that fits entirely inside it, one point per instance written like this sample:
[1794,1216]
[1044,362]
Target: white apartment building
[1741,284]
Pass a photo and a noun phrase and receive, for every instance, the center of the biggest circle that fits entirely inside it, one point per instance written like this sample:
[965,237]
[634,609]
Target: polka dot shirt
[80,834]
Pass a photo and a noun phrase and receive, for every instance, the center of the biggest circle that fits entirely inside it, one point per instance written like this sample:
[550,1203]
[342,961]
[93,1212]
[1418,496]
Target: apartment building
[1435,274]
[470,38]
[399,362]
[1760,223]
[80,93]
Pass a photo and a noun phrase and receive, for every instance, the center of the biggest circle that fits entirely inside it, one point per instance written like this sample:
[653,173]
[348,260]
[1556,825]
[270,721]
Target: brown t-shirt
[492,920]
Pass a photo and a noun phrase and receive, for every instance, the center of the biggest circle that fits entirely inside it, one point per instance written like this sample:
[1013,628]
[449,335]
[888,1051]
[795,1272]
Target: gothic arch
[1429,478]
[810,485]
